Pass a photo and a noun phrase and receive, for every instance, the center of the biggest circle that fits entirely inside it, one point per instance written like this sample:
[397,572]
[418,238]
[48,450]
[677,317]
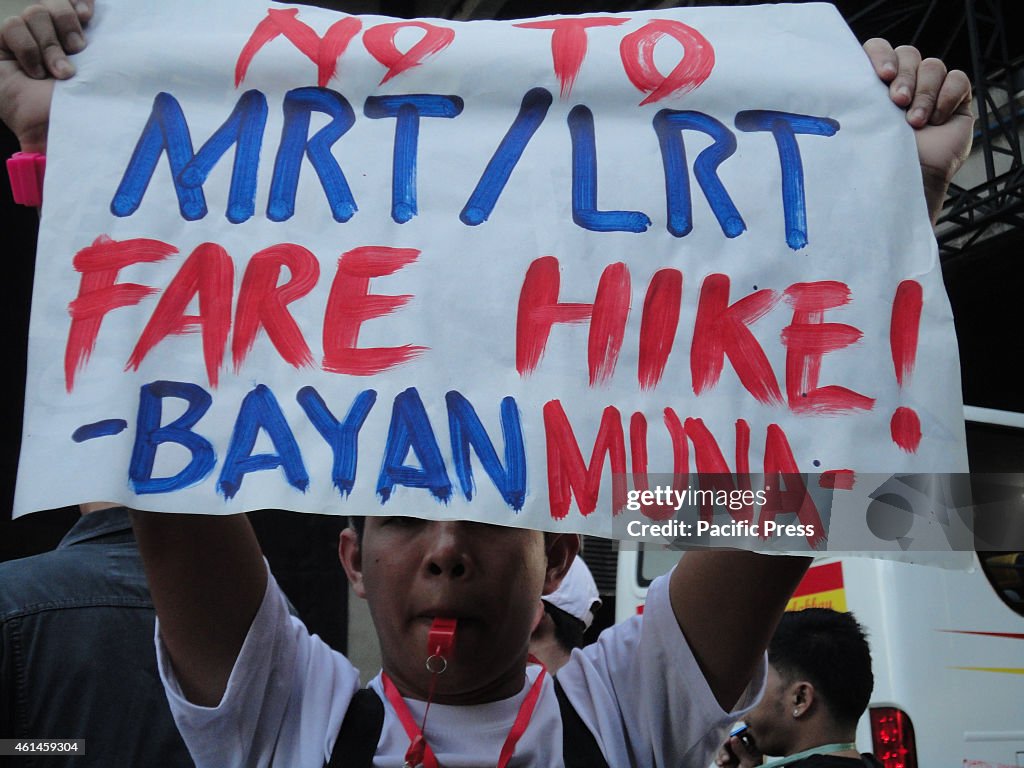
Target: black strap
[364,721]
[579,747]
[360,731]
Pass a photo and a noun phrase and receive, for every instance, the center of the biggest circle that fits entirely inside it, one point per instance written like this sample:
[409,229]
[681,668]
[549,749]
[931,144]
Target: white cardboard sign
[291,258]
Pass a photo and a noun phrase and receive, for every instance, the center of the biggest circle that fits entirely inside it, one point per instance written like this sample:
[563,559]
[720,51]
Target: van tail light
[892,736]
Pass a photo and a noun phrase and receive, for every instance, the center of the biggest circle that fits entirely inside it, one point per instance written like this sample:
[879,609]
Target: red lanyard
[420,753]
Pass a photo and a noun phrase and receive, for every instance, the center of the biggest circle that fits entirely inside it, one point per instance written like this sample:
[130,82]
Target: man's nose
[450,553]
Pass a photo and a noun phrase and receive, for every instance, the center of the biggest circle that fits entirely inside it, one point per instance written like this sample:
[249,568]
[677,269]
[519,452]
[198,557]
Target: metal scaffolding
[969,35]
[973,214]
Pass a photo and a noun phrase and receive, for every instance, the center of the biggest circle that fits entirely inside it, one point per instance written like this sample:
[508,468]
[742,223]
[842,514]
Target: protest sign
[501,271]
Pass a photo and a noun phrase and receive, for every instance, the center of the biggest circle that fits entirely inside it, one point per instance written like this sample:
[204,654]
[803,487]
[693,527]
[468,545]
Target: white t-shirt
[638,689]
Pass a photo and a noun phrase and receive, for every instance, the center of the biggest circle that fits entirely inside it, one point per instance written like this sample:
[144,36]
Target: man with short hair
[819,684]
[76,657]
[641,690]
[567,614]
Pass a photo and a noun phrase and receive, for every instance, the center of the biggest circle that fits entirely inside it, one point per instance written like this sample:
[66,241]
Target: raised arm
[207,579]
[728,634]
[206,574]
[727,604]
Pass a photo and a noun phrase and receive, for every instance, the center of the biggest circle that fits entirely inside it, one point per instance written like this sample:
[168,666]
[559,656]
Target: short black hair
[830,650]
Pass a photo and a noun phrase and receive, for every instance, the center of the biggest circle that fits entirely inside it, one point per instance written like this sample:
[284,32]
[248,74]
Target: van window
[995,444]
[1005,572]
[652,561]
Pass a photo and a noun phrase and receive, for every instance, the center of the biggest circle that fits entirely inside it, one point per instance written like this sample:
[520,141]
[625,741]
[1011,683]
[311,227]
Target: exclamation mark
[905,426]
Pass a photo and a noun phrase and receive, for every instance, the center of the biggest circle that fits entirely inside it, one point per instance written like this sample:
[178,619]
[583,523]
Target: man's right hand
[735,753]
[34,48]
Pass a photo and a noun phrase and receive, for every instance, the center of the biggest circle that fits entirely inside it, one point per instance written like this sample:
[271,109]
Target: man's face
[488,577]
[771,722]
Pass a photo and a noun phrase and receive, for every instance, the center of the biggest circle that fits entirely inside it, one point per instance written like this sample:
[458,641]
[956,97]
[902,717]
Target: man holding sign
[453,600]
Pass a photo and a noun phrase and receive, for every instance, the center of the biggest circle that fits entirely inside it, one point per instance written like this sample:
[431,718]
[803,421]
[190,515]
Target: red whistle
[441,638]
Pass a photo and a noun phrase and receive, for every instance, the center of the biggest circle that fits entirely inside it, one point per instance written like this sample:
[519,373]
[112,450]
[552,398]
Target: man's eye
[404,522]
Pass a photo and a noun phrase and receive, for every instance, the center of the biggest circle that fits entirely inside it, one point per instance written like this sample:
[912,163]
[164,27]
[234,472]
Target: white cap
[577,595]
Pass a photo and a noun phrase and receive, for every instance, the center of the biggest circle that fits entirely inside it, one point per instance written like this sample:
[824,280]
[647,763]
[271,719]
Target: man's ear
[802,697]
[351,556]
[538,616]
[561,550]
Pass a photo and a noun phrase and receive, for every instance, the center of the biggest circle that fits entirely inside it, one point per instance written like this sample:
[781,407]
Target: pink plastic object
[26,170]
[442,637]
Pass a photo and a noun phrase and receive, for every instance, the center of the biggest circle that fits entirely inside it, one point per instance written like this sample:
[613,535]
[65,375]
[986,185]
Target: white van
[947,645]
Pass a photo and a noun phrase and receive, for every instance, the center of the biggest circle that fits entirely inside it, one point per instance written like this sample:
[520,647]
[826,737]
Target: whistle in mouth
[441,638]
